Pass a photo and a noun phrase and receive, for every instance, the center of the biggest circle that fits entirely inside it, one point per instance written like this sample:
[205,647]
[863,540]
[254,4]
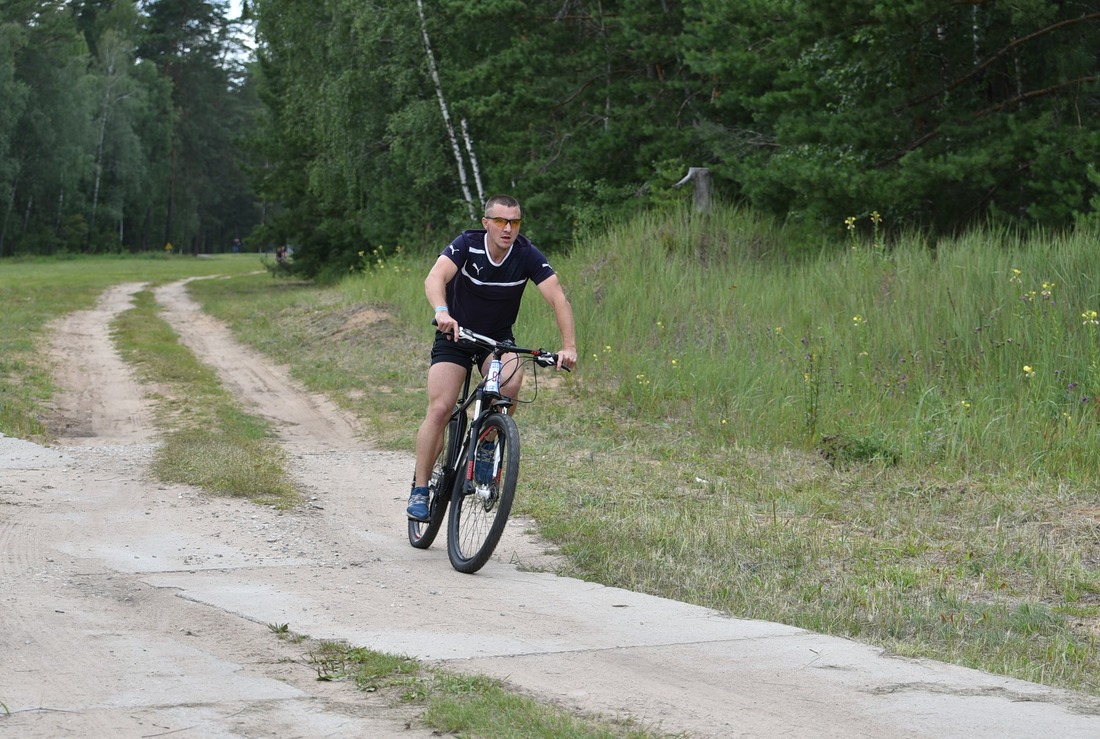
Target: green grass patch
[208,441]
[461,705]
[480,706]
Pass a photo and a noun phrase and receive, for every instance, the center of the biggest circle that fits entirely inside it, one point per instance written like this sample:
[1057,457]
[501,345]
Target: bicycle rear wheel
[480,508]
[422,533]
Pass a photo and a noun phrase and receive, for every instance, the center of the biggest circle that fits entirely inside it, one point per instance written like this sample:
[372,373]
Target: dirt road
[130,608]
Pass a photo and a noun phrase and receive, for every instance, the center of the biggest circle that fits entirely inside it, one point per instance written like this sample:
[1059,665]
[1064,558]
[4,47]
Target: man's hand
[446,323]
[567,359]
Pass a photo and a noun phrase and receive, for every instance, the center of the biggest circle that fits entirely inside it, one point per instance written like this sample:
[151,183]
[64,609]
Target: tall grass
[846,441]
[977,354]
[916,352]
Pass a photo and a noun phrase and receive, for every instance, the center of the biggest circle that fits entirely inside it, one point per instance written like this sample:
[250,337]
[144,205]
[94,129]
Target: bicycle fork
[478,433]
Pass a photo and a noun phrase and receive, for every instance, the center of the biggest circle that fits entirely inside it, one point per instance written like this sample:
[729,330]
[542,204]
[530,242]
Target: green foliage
[899,354]
[944,115]
[120,127]
[941,113]
[355,115]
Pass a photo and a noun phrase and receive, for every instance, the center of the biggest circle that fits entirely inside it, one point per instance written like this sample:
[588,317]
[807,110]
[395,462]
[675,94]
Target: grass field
[34,292]
[892,442]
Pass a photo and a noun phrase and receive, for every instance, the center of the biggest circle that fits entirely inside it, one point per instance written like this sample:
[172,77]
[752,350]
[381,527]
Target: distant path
[136,609]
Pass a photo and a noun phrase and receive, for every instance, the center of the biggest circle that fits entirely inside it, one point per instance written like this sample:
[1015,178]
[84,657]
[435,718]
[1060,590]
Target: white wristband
[440,308]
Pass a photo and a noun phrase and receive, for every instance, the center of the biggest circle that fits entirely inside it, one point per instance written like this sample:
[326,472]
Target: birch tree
[434,72]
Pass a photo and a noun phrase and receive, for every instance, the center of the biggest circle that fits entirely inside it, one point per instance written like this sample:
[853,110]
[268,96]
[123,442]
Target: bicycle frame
[484,402]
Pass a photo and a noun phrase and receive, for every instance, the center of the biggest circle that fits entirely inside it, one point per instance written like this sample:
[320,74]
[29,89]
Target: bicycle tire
[479,511]
[440,486]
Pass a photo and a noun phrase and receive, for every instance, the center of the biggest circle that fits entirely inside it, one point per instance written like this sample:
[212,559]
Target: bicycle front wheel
[422,533]
[480,506]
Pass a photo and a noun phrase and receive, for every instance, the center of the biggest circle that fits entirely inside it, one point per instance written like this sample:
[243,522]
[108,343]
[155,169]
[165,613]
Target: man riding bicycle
[477,282]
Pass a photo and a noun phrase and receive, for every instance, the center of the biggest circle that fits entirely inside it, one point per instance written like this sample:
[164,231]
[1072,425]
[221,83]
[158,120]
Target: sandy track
[132,608]
[92,648]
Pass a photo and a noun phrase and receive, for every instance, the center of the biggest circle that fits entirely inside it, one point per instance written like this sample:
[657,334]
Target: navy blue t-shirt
[485,297]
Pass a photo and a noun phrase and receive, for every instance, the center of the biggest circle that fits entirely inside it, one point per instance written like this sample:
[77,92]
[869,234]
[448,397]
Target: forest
[346,126]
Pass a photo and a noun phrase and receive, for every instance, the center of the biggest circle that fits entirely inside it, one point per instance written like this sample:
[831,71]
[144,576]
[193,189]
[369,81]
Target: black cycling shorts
[462,353]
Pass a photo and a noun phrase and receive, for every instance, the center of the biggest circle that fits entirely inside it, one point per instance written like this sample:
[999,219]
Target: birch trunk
[473,161]
[446,113]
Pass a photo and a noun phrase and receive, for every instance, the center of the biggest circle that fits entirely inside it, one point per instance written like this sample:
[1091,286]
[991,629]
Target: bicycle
[479,490]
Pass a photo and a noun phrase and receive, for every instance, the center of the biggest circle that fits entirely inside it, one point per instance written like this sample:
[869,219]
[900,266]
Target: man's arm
[563,312]
[435,287]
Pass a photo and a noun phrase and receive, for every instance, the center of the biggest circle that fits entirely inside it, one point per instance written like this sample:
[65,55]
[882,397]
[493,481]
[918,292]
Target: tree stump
[701,177]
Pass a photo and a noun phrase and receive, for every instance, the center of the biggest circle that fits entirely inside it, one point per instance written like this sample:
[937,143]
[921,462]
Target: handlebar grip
[546,359]
[445,333]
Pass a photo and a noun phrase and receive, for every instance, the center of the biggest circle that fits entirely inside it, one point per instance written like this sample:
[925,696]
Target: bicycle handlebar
[540,356]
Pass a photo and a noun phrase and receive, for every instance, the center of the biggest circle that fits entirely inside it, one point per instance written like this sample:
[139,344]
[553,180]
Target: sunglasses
[502,222]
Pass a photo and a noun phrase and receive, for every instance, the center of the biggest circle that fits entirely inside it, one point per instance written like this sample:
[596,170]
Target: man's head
[502,220]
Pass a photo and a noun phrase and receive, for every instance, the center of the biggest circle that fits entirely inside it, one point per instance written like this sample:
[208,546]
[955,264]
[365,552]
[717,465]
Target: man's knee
[439,412]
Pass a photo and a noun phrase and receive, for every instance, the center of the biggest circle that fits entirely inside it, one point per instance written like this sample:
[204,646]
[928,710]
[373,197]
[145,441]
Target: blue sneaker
[483,462]
[418,505]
